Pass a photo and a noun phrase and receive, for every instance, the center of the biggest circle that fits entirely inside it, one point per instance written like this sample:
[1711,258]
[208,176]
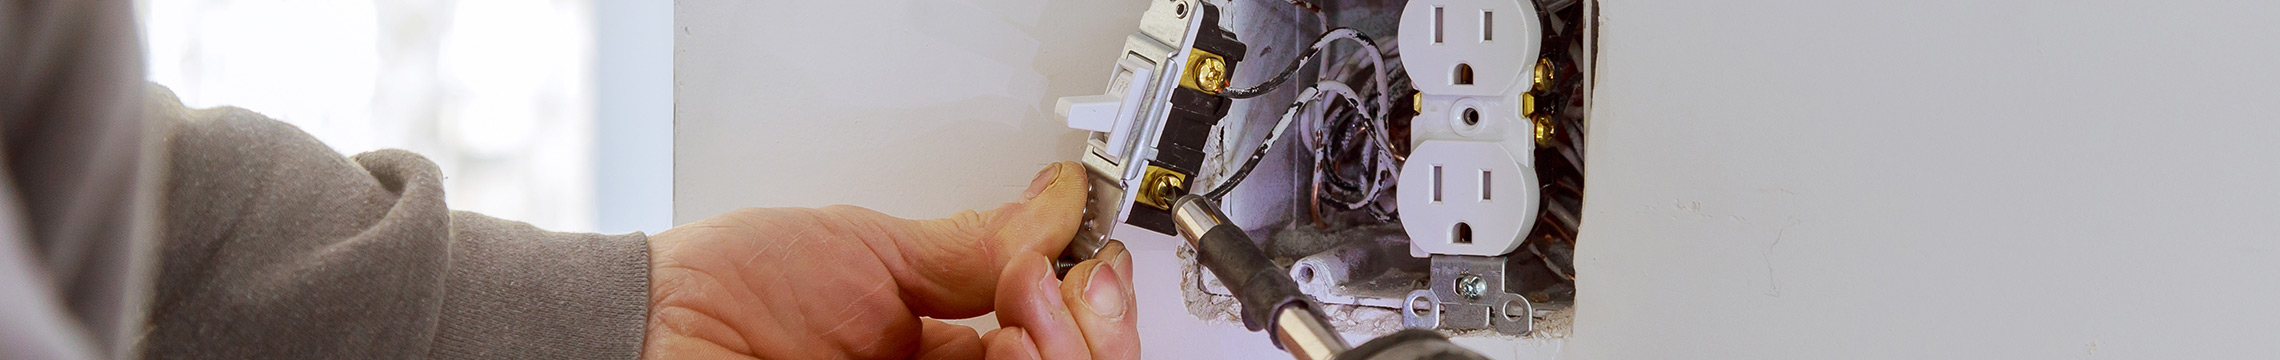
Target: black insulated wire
[1284,76]
[1252,163]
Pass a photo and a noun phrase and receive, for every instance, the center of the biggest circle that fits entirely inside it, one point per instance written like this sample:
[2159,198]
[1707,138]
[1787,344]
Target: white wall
[1933,179]
[633,98]
[917,108]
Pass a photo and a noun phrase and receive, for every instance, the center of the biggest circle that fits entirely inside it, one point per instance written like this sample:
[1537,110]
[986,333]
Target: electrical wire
[1377,123]
[1220,191]
[1342,33]
[1305,97]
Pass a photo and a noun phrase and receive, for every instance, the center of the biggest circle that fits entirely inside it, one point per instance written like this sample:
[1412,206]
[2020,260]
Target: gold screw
[1163,189]
[1543,74]
[1544,131]
[1211,75]
[1417,102]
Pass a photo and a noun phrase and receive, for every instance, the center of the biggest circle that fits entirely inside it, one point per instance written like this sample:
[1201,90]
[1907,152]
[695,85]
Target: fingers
[1011,343]
[947,268]
[1090,315]
[945,341]
[1100,298]
[1029,297]
[1048,214]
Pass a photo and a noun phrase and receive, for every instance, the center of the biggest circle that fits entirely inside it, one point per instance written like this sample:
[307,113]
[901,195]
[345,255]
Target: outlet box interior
[1280,206]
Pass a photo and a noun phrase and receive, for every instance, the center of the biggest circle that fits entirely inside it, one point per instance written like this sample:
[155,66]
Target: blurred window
[498,93]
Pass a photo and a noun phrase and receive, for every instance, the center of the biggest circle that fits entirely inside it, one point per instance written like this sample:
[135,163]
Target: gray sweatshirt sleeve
[275,246]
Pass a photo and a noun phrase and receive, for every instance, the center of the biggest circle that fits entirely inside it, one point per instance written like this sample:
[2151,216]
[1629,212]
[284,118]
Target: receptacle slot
[1484,187]
[1440,24]
[1487,26]
[1437,182]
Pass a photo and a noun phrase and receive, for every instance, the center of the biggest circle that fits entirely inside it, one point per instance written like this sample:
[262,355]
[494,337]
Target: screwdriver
[1271,300]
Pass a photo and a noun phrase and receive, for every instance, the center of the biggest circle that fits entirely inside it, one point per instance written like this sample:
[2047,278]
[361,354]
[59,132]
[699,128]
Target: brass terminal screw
[1543,74]
[1417,102]
[1544,131]
[1164,189]
[1211,75]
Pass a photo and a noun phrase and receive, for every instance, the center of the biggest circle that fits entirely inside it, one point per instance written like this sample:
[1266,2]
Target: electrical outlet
[1469,188]
[1469,47]
[1466,198]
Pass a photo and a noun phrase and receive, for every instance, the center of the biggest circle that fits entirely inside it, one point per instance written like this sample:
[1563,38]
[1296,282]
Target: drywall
[917,108]
[1932,179]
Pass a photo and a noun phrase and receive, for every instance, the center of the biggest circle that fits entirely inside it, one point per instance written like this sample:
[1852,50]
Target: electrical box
[1404,153]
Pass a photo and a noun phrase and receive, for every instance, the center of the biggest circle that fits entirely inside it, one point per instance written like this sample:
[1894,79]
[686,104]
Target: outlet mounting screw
[1472,286]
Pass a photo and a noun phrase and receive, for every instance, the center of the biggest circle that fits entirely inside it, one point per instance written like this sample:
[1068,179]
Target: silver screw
[1471,286]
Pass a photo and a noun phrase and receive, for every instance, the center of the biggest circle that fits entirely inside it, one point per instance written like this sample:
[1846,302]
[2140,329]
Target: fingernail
[1044,179]
[1124,262]
[1049,282]
[1028,346]
[1104,293]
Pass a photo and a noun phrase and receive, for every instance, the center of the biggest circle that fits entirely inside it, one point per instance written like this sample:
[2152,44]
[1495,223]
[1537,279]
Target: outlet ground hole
[1463,233]
[1463,76]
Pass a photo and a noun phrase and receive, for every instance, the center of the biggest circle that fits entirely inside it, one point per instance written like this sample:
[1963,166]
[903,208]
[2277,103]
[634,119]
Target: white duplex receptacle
[1469,187]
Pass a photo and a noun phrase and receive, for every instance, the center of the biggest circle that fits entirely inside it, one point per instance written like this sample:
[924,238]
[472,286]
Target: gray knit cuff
[517,292]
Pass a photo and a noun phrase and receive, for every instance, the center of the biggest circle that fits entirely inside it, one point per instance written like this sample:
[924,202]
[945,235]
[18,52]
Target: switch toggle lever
[1106,113]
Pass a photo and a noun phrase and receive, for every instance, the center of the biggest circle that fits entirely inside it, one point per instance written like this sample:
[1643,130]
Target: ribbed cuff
[517,292]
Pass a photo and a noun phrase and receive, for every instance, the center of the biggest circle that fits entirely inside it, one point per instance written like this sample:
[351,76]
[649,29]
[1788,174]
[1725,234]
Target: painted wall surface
[1933,179]
[917,108]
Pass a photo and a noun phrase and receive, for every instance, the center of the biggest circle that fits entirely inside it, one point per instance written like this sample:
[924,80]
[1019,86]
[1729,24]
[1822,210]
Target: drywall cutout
[1501,102]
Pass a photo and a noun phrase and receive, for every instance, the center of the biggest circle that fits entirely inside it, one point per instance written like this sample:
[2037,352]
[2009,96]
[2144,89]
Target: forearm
[278,247]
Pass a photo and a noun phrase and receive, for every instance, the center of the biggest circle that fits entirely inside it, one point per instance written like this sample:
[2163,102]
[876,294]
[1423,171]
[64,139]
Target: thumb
[949,267]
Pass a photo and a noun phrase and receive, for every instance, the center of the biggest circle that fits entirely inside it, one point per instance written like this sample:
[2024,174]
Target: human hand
[848,282]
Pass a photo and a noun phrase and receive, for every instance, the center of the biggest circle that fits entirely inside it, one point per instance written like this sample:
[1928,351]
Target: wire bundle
[1336,109]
